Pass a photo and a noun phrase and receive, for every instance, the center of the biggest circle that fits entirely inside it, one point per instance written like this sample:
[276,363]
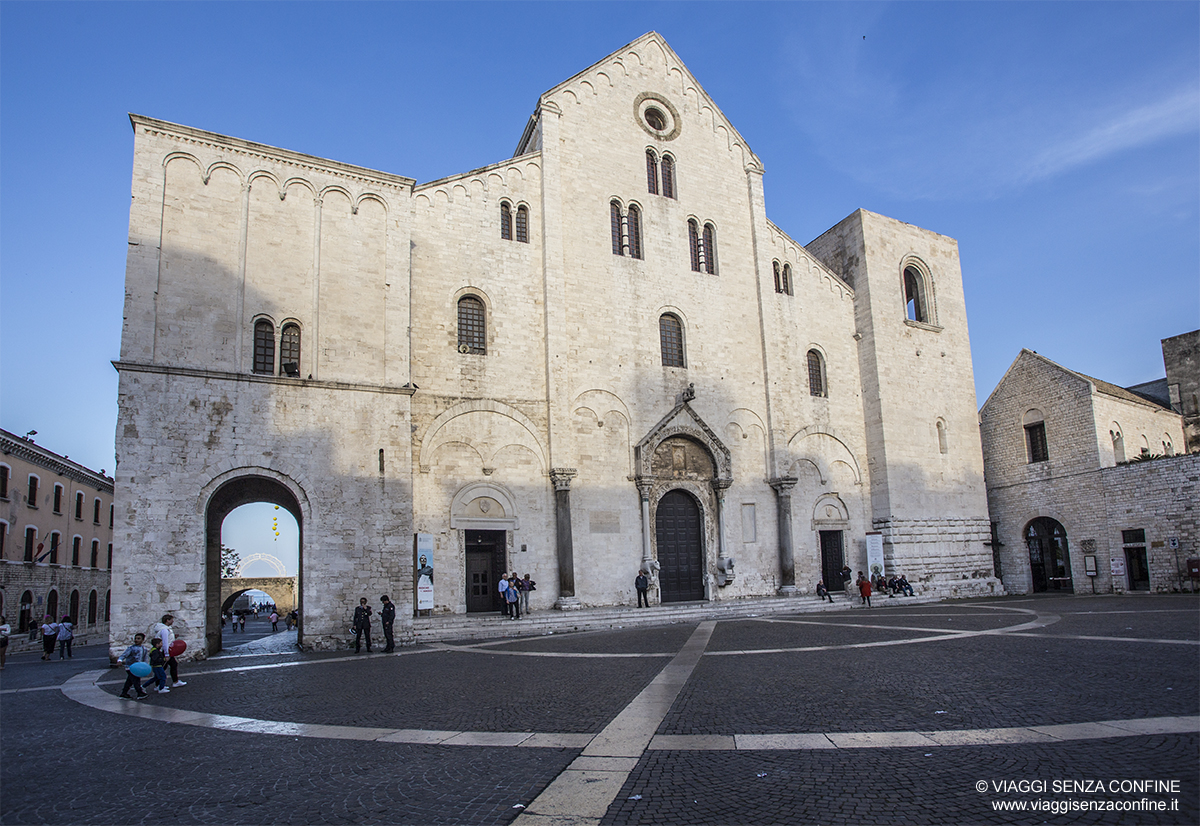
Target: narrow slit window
[694,244]
[635,232]
[289,350]
[523,224]
[914,295]
[651,173]
[505,221]
[668,176]
[614,211]
[787,279]
[778,276]
[264,347]
[816,374]
[709,251]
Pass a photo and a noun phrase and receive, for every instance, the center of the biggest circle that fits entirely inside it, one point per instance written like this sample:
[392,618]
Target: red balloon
[177,648]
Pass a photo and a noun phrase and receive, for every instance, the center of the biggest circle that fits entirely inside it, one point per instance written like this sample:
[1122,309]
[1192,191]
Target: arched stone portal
[1049,558]
[282,589]
[233,493]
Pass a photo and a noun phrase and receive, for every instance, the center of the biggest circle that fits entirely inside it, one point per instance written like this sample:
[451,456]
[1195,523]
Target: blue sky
[1058,142]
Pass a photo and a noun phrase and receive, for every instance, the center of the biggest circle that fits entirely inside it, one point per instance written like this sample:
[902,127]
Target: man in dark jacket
[362,625]
[387,615]
[642,583]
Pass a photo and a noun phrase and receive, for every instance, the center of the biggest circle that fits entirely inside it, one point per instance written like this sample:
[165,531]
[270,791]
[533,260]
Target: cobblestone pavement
[847,718]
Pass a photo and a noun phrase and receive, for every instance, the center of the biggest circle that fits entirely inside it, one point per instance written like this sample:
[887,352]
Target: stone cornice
[254,378]
[213,140]
[35,454]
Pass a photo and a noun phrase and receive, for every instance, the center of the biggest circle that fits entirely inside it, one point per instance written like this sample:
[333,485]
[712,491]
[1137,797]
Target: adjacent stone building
[1088,484]
[594,357]
[56,540]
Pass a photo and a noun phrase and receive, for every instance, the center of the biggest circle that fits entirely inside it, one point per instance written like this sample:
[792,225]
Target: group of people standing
[157,655]
[361,625]
[514,594]
[61,633]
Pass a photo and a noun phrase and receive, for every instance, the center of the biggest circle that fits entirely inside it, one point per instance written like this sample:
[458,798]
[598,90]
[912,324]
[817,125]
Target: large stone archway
[282,589]
[237,489]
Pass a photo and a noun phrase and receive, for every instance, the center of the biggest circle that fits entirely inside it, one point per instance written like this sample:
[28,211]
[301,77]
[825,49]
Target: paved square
[948,713]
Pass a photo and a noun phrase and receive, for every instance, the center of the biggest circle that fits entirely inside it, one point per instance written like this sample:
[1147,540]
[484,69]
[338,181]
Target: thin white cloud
[1176,114]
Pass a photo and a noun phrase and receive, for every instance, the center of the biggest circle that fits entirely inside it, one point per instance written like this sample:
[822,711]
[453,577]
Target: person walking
[513,596]
[387,617]
[362,625]
[135,653]
[864,589]
[642,584]
[49,636]
[166,635]
[242,622]
[158,663]
[66,634]
[5,630]
[274,621]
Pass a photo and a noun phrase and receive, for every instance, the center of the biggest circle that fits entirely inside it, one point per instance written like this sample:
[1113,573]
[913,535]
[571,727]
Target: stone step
[447,627]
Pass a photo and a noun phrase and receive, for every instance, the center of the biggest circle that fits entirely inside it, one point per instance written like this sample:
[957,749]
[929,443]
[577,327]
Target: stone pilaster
[567,600]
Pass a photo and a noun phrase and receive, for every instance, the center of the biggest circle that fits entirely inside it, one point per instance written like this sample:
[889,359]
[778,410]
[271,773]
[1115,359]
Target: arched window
[505,221]
[55,541]
[58,496]
[787,278]
[30,543]
[289,350]
[694,244]
[79,505]
[635,232]
[111,510]
[1118,443]
[668,176]
[1035,437]
[3,537]
[4,471]
[472,325]
[943,444]
[816,373]
[74,612]
[31,498]
[708,250]
[615,219]
[25,620]
[523,224]
[915,304]
[52,605]
[96,512]
[1168,447]
[95,553]
[92,600]
[264,347]
[778,276]
[75,543]
[651,172]
[107,605]
[670,334]
[110,556]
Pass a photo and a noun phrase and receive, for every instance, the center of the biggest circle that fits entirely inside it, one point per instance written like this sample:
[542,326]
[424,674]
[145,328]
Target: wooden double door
[486,558]
[679,531]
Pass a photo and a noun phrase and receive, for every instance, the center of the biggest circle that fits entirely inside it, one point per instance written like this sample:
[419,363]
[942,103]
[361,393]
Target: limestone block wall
[1142,426]
[1094,508]
[926,468]
[225,232]
[182,436]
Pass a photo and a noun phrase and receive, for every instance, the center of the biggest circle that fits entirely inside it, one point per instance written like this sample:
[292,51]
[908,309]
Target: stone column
[567,600]
[787,555]
[643,486]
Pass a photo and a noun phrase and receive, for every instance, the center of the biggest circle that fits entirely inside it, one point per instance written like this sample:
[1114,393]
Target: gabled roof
[672,57]
[1096,385]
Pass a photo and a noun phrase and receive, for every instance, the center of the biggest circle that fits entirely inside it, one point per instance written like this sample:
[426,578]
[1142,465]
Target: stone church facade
[594,357]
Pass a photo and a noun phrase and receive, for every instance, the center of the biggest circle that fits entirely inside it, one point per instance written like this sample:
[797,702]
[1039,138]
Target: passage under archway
[234,494]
